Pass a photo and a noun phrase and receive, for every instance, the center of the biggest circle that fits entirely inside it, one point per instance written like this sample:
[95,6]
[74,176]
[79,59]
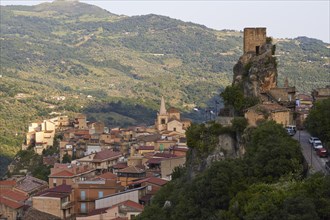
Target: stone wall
[254,37]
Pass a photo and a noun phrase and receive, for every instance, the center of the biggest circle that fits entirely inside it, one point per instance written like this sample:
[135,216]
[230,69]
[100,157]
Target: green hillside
[78,51]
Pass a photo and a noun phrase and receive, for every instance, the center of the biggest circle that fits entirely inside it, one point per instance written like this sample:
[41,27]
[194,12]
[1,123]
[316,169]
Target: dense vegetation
[318,121]
[95,58]
[267,183]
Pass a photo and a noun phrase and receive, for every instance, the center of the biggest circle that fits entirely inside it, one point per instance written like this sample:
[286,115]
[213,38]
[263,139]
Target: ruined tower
[254,38]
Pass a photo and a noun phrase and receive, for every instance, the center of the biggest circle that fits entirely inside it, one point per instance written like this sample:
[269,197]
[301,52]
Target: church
[170,120]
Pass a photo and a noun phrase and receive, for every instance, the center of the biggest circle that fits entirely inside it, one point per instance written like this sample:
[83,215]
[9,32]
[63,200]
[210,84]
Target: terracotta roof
[132,204]
[157,181]
[107,175]
[155,160]
[63,173]
[61,188]
[153,180]
[98,211]
[14,195]
[30,183]
[10,203]
[146,148]
[106,154]
[164,155]
[149,138]
[131,169]
[7,183]
[60,191]
[120,165]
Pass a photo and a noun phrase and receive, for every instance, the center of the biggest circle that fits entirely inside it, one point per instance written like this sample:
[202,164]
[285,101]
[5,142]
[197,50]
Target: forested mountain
[115,68]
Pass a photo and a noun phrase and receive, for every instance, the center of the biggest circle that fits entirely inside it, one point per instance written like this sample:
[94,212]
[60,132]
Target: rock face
[257,72]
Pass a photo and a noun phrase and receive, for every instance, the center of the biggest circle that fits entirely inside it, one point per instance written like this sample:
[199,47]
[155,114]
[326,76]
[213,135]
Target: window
[100,194]
[82,195]
[54,182]
[83,208]
[163,121]
[174,129]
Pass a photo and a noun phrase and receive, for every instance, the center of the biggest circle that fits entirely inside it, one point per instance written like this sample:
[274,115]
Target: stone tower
[162,117]
[254,38]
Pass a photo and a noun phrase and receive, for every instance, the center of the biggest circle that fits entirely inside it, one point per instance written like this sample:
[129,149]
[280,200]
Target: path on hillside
[316,163]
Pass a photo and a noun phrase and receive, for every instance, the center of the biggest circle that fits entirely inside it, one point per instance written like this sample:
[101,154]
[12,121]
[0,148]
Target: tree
[271,153]
[66,158]
[318,121]
[233,97]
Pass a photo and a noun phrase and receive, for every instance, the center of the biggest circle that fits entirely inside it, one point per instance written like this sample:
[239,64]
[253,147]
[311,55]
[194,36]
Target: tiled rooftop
[30,183]
[7,183]
[14,195]
[10,203]
[106,154]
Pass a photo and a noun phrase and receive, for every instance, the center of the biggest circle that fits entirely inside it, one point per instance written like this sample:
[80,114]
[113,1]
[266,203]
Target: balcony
[66,205]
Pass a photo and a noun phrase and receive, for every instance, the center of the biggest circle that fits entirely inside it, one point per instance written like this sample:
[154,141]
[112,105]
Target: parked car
[322,152]
[317,144]
[292,127]
[290,131]
[312,139]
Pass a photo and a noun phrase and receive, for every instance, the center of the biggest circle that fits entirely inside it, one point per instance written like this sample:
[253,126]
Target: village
[103,173]
[97,168]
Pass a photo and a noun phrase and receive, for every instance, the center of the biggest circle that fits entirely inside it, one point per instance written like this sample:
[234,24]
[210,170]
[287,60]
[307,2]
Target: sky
[283,19]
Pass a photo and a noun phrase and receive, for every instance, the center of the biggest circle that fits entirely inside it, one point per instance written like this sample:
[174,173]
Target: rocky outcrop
[226,148]
[257,73]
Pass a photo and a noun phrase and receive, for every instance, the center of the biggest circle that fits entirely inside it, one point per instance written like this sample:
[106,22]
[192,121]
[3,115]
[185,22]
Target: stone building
[57,201]
[269,111]
[254,38]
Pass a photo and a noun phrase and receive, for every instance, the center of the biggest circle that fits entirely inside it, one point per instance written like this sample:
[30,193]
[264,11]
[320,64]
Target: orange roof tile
[14,195]
[9,203]
[106,154]
[108,175]
[63,173]
[7,183]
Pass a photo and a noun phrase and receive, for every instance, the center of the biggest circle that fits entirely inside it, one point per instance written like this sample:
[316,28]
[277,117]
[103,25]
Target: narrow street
[316,163]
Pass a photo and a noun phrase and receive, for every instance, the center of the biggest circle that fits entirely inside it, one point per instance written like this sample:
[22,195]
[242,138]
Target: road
[315,163]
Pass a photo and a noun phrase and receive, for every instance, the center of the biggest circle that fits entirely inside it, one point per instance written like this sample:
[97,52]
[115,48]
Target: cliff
[257,73]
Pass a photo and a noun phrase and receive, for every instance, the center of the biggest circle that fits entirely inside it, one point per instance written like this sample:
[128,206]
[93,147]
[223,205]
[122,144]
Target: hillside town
[99,172]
